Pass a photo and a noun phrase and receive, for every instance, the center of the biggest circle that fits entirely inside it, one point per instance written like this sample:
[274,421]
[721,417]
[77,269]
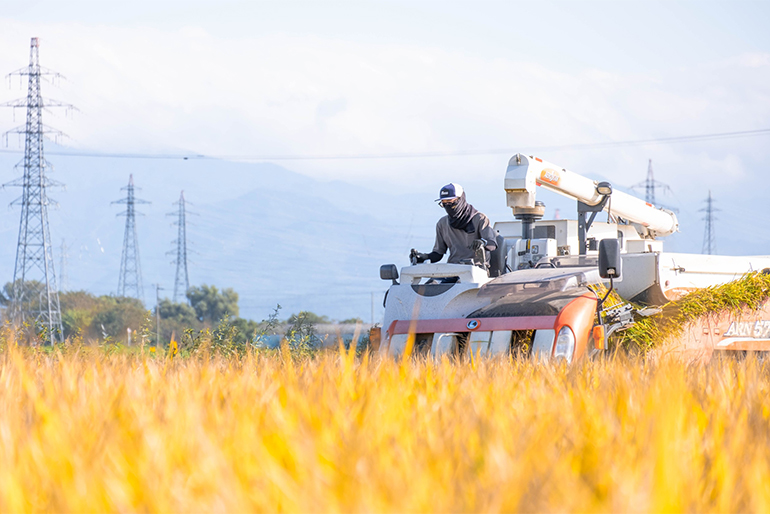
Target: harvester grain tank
[544,293]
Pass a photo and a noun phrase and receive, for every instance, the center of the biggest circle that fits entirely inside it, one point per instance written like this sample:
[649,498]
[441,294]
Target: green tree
[247,329]
[115,315]
[175,318]
[6,294]
[180,312]
[307,317]
[32,294]
[94,317]
[301,333]
[78,309]
[211,305]
[34,299]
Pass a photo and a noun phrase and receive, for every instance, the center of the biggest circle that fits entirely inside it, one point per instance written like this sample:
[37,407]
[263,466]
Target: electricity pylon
[35,297]
[182,282]
[709,237]
[650,185]
[130,280]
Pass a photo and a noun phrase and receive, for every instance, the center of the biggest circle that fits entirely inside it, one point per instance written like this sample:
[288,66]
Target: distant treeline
[96,318]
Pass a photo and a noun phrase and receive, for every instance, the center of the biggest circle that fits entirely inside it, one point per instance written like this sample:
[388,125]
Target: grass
[748,293]
[86,430]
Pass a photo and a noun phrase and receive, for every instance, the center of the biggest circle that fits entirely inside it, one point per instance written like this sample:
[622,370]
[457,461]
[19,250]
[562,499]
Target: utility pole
[157,315]
[35,296]
[182,281]
[709,237]
[63,256]
[130,281]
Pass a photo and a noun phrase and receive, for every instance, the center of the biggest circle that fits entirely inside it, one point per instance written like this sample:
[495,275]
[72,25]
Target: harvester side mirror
[389,272]
[609,258]
[609,267]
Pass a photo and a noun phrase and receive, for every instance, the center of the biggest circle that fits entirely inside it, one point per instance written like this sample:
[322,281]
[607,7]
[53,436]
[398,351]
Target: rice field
[87,429]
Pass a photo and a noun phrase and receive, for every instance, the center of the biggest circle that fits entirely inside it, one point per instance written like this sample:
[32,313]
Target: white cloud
[755,60]
[150,90]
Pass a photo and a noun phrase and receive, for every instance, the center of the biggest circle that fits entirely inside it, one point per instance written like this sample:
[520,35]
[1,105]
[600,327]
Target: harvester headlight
[565,344]
[604,188]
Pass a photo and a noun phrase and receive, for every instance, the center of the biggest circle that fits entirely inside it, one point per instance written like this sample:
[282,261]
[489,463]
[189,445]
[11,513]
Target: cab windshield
[539,281]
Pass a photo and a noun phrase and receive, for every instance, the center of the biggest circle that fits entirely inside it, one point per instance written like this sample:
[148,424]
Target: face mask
[452,208]
[460,214]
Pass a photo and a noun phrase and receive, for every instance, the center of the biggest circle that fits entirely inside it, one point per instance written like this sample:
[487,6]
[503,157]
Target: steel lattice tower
[130,281]
[709,238]
[35,295]
[182,282]
[650,185]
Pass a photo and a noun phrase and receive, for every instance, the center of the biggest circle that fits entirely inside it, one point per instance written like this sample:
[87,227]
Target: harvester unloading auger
[545,289]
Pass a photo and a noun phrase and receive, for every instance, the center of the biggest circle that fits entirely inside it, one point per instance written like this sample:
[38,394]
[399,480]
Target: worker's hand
[417,257]
[478,244]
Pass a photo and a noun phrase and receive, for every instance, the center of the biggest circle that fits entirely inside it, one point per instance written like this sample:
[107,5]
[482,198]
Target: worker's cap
[450,191]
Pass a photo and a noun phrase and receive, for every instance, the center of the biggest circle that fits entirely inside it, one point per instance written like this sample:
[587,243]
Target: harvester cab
[546,291]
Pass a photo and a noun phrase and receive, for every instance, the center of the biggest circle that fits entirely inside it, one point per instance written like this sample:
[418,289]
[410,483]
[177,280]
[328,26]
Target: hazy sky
[256,79]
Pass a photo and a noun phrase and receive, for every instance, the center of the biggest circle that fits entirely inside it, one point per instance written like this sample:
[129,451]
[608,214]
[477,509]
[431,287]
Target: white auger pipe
[524,174]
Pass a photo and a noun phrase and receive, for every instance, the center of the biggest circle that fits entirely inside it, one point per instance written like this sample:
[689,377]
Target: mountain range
[275,236]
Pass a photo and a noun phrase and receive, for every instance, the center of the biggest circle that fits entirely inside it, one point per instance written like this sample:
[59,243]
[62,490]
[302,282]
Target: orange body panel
[579,316]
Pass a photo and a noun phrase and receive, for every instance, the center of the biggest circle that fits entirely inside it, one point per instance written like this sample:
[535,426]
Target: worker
[464,231]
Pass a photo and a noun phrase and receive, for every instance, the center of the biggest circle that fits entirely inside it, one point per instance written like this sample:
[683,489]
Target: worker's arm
[487,233]
[440,246]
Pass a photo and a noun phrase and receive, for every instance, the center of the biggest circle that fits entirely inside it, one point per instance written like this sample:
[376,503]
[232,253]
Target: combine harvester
[545,292]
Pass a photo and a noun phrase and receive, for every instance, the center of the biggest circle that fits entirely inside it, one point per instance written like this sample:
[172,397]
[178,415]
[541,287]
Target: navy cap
[450,191]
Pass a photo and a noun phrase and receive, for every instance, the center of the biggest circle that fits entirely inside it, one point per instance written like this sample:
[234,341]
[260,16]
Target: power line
[417,155]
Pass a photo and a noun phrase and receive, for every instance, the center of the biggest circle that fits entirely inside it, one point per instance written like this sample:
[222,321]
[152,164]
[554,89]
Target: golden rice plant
[85,430]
